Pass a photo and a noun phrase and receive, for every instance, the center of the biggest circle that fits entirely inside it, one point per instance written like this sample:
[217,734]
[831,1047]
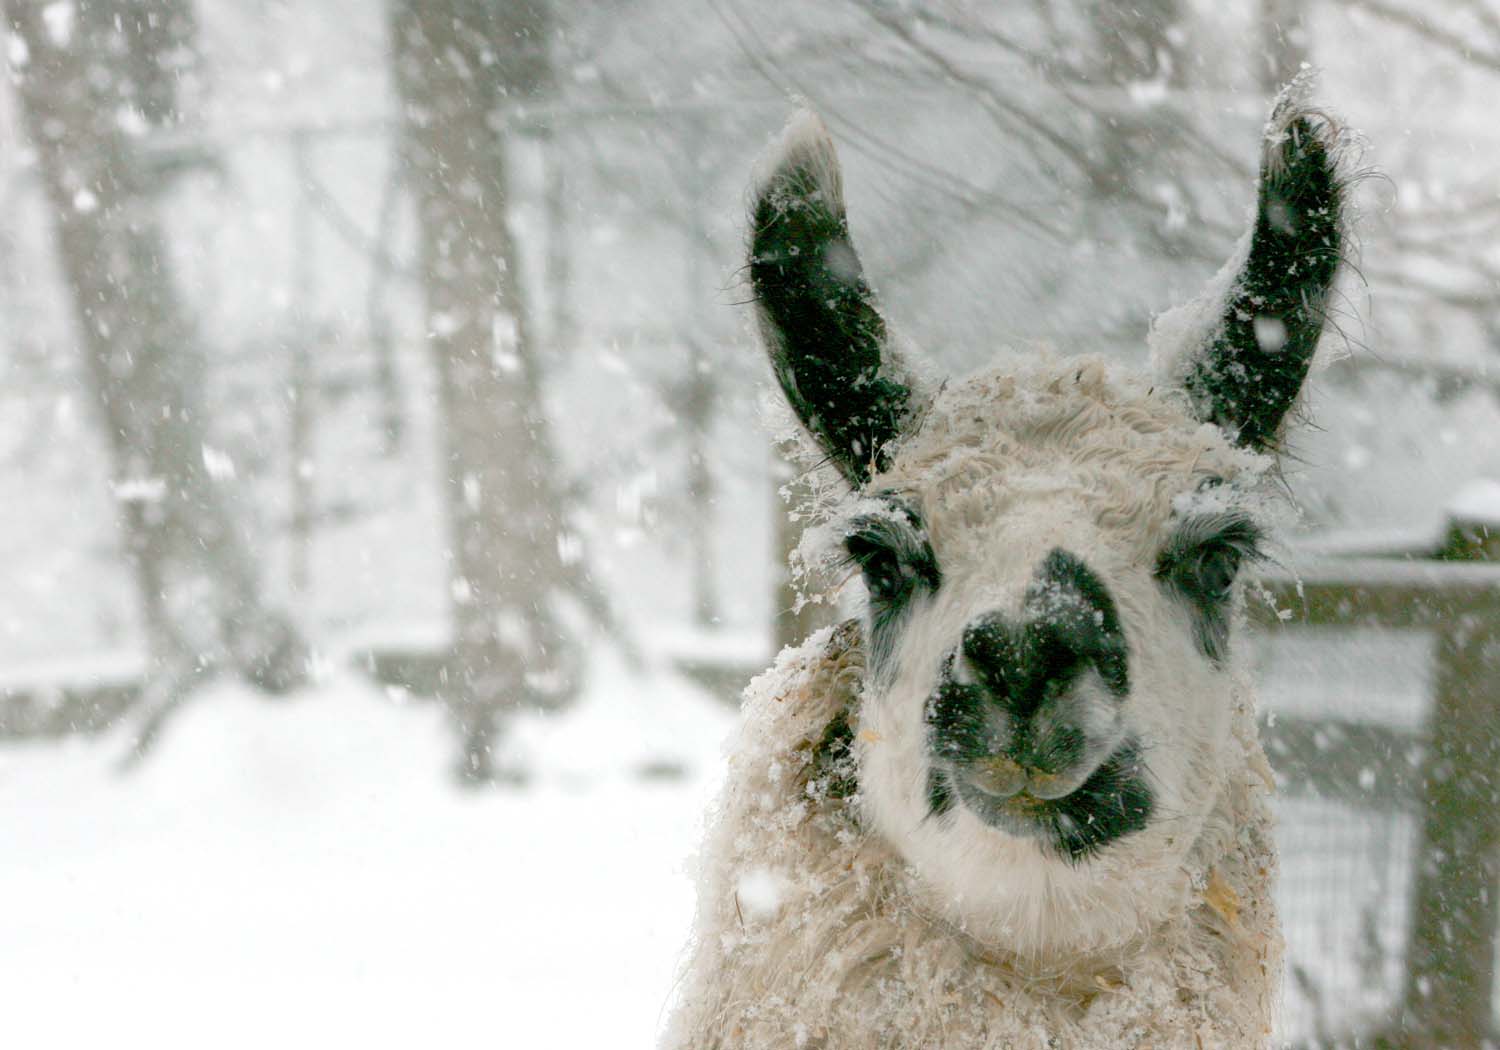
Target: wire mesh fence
[1345,860]
[1380,717]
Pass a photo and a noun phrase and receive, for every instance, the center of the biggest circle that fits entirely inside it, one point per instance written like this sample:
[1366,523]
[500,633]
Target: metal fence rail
[1445,772]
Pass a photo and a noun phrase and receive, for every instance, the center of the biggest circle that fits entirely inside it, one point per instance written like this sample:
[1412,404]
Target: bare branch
[1420,25]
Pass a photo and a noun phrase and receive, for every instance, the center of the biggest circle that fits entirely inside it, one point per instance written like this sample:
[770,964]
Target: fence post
[1450,968]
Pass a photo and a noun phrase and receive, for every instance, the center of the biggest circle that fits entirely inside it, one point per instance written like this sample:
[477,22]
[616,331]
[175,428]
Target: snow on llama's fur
[1022,803]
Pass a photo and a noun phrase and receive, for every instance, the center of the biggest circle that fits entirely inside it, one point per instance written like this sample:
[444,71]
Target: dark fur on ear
[817,315]
[1250,373]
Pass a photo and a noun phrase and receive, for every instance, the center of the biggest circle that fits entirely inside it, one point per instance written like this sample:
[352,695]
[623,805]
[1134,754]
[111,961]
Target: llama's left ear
[1247,370]
[827,343]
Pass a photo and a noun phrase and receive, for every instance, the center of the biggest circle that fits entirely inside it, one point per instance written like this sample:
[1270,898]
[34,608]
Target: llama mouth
[1113,801]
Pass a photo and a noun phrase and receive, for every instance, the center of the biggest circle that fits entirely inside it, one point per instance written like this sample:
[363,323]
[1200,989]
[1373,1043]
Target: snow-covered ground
[304,873]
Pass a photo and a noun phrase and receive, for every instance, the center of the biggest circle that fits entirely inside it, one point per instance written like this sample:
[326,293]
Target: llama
[1021,802]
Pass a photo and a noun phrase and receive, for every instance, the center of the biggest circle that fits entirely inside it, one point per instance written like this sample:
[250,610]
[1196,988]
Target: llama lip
[1005,780]
[1111,802]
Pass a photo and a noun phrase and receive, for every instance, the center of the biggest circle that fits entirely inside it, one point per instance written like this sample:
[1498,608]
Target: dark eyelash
[867,546]
[1231,531]
[875,537]
[863,544]
[1199,565]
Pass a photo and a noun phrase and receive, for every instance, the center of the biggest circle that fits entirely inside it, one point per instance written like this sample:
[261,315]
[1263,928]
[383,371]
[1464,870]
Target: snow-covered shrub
[1022,802]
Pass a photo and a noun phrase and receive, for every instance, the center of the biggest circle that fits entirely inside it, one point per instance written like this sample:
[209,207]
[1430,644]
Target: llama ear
[1246,374]
[817,317]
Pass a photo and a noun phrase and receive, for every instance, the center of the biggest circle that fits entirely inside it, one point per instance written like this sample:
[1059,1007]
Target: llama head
[1050,554]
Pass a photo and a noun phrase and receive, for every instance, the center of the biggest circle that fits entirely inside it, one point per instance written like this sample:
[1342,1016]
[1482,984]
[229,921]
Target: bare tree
[1283,42]
[85,73]
[1136,54]
[461,68]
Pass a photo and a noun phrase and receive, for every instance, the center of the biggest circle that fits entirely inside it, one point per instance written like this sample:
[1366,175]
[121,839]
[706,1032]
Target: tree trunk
[377,319]
[699,401]
[301,380]
[83,65]
[459,64]
[1284,43]
[1135,52]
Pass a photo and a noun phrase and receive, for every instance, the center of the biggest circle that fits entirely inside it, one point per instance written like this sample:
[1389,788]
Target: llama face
[1050,555]
[1045,565]
[1050,696]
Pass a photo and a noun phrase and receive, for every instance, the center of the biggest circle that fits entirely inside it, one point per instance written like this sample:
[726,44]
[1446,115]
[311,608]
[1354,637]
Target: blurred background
[389,524]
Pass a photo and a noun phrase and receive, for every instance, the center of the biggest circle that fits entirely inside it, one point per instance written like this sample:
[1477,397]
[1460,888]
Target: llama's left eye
[1198,567]
[1203,558]
[1205,575]
[887,579]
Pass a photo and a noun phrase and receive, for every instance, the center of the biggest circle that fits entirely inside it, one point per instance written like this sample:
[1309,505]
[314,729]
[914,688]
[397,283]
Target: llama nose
[1068,625]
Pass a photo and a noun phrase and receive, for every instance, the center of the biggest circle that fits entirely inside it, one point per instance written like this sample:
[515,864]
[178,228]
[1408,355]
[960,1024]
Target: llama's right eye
[894,556]
[886,578]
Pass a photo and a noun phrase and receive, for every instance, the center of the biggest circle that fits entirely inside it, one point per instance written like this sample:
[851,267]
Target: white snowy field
[303,873]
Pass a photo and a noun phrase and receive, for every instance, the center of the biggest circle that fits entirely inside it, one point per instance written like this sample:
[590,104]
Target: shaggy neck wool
[813,932]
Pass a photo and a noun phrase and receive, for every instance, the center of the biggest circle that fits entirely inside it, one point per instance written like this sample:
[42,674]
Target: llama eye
[1214,568]
[1203,558]
[1198,567]
[1203,577]
[895,558]
[885,577]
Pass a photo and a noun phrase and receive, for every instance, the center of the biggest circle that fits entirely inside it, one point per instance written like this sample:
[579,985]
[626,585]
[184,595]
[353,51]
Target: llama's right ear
[817,317]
